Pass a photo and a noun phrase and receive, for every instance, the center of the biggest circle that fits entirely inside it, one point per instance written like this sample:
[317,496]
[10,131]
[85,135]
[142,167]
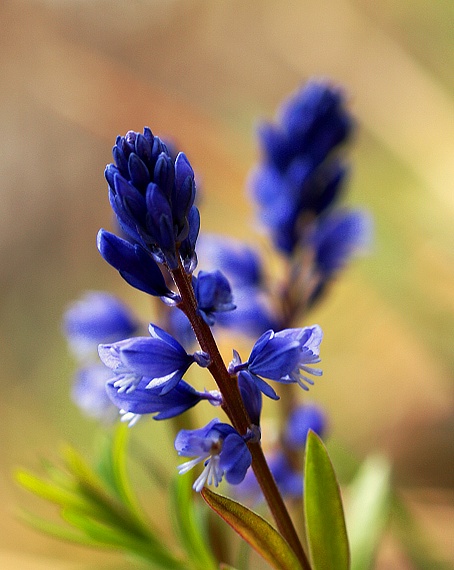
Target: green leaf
[368,510]
[105,507]
[56,530]
[255,530]
[120,540]
[51,492]
[112,469]
[325,524]
[187,525]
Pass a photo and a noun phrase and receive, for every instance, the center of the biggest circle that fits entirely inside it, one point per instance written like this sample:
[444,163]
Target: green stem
[234,408]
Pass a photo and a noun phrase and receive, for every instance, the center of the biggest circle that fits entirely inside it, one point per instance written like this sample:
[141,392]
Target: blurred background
[75,73]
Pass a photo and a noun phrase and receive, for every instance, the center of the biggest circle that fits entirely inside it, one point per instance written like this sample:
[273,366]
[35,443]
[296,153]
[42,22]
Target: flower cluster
[152,193]
[296,188]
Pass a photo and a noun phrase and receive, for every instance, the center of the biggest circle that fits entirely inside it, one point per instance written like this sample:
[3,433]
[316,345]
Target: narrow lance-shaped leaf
[325,524]
[368,510]
[255,530]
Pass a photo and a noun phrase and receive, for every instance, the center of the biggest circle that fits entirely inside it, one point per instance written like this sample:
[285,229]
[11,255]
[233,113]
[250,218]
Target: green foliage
[99,508]
[255,530]
[325,524]
[188,526]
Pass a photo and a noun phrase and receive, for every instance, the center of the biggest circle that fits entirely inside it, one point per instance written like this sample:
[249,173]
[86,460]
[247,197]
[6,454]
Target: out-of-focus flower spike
[89,392]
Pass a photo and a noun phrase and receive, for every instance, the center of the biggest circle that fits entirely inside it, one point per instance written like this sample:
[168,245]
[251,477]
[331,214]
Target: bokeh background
[75,73]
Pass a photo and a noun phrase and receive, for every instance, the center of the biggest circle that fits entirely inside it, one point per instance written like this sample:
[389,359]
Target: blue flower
[213,295]
[288,479]
[145,400]
[222,449]
[251,396]
[135,265]
[240,262]
[152,196]
[161,360]
[244,269]
[284,464]
[302,419]
[97,317]
[300,172]
[311,123]
[89,392]
[283,357]
[336,237]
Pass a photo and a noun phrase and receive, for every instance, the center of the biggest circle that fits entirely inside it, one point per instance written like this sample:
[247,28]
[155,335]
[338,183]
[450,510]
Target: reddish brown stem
[235,410]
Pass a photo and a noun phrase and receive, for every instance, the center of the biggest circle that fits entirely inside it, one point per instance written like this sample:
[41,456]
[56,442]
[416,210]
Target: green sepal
[368,510]
[188,526]
[324,516]
[255,530]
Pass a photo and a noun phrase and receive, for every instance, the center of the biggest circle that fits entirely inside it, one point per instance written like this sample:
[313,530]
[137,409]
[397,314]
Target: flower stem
[236,411]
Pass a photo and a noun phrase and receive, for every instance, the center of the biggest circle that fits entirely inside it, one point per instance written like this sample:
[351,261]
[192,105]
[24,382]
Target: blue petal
[149,401]
[98,317]
[235,458]
[262,385]
[135,265]
[153,357]
[251,396]
[195,442]
[302,419]
[274,359]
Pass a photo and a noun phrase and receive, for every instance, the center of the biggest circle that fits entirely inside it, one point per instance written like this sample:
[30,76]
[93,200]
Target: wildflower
[144,400]
[97,317]
[213,294]
[222,449]
[240,262]
[244,268]
[282,357]
[152,196]
[284,464]
[161,360]
[300,173]
[135,265]
[302,419]
[336,237]
[89,392]
[251,396]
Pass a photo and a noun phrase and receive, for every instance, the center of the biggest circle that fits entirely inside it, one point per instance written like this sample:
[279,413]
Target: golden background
[76,73]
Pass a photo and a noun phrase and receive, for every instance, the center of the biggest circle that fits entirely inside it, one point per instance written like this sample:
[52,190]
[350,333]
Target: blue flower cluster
[152,195]
[296,188]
